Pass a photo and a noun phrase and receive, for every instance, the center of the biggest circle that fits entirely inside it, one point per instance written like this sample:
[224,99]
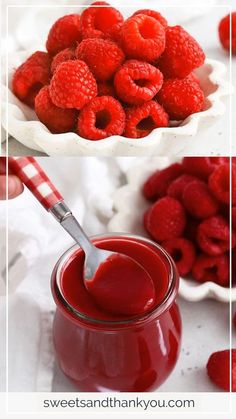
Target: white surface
[88,185]
[130,218]
[217,136]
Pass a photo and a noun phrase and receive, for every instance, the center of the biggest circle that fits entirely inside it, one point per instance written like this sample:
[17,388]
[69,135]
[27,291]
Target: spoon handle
[36,180]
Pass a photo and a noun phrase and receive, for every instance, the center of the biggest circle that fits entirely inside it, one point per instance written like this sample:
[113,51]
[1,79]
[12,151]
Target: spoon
[104,271]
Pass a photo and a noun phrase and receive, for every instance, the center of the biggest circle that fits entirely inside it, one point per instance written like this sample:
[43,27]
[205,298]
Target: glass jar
[103,353]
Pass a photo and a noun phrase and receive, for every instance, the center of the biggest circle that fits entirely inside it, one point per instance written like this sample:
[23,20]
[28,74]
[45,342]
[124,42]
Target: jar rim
[154,312]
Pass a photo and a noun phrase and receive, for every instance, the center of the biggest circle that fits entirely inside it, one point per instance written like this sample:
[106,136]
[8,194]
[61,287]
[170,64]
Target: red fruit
[141,120]
[234,217]
[31,76]
[156,185]
[178,185]
[182,54]
[201,167]
[143,38]
[153,13]
[166,219]
[101,22]
[65,33]
[62,56]
[137,82]
[57,120]
[72,85]
[213,236]
[218,369]
[103,57]
[224,32]
[181,98]
[219,183]
[198,200]
[101,118]
[212,268]
[106,88]
[183,253]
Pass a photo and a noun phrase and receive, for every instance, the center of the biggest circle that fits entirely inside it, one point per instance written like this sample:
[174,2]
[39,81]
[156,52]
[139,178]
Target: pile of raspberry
[103,75]
[190,216]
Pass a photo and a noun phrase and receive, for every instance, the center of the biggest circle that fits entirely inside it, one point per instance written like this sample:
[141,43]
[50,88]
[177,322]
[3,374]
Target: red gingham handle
[36,180]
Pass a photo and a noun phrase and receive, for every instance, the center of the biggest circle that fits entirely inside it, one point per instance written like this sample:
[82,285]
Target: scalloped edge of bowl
[127,218]
[33,134]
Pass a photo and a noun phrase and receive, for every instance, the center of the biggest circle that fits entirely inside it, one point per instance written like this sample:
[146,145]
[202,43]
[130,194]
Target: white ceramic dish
[130,205]
[24,126]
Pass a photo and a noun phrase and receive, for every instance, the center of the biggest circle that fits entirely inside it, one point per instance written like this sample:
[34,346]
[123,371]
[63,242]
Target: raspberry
[218,369]
[103,57]
[182,54]
[101,22]
[212,268]
[156,185]
[62,56]
[219,183]
[72,85]
[31,76]
[137,82]
[143,38]
[234,217]
[57,120]
[224,32]
[153,13]
[65,33]
[101,118]
[201,167]
[198,200]
[141,120]
[176,188]
[213,235]
[181,98]
[183,253]
[106,88]
[166,219]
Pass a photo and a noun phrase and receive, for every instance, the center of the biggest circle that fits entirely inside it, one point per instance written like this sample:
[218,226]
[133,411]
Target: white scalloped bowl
[24,126]
[130,205]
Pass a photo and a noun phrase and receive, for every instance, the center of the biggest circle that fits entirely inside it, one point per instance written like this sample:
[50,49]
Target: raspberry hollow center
[146,124]
[142,82]
[146,30]
[103,118]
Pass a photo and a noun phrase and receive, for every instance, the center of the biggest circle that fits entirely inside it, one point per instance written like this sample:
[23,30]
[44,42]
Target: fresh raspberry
[234,217]
[182,54]
[153,13]
[218,369]
[141,120]
[137,82]
[106,88]
[198,200]
[156,185]
[224,32]
[143,38]
[212,268]
[219,183]
[101,22]
[182,252]
[181,98]
[72,85]
[176,188]
[213,235]
[103,57]
[101,118]
[201,167]
[166,219]
[62,56]
[31,76]
[57,120]
[65,33]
